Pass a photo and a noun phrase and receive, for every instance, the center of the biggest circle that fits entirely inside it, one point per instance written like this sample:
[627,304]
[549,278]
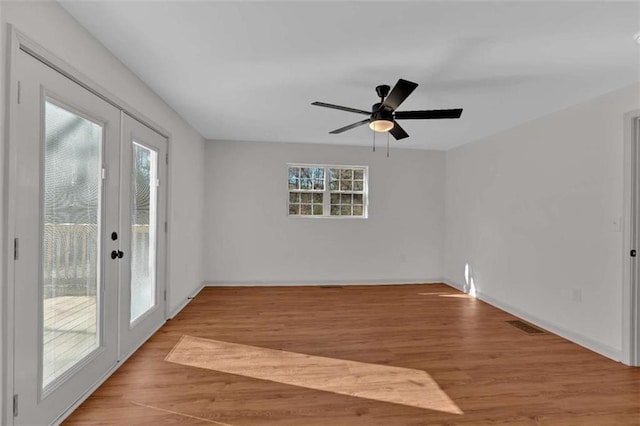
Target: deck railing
[70,257]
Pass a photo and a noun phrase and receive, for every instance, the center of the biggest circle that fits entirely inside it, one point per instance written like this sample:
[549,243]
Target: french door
[89,229]
[142,212]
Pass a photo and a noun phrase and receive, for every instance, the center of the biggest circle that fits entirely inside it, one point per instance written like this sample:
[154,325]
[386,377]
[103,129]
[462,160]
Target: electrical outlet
[576,295]
[616,224]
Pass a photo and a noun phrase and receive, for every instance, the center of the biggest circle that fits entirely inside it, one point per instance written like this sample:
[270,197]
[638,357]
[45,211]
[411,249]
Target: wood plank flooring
[495,373]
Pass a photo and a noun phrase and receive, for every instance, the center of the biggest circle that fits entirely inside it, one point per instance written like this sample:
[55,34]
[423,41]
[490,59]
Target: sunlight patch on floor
[385,383]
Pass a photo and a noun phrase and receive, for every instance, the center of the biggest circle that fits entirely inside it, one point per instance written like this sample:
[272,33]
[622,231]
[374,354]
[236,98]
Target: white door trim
[631,240]
[17,41]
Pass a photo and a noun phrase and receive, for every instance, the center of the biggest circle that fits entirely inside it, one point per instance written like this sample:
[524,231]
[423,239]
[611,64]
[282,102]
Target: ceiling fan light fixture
[381,125]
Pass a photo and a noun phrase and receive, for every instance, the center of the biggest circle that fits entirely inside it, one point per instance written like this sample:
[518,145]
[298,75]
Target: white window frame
[326,199]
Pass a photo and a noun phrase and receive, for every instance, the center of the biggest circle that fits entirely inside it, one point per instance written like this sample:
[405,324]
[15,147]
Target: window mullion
[326,198]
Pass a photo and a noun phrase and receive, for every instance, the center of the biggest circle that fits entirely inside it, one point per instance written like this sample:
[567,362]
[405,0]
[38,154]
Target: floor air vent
[527,328]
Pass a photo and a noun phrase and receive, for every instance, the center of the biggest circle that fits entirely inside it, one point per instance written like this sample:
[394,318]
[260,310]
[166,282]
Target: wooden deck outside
[494,373]
[69,332]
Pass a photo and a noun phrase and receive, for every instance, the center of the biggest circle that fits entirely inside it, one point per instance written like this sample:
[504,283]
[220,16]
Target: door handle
[117,254]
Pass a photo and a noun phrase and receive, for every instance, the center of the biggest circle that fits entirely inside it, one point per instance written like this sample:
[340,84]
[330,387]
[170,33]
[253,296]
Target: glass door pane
[144,207]
[71,203]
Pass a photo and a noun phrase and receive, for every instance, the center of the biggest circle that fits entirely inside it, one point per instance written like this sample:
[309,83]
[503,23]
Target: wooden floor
[492,372]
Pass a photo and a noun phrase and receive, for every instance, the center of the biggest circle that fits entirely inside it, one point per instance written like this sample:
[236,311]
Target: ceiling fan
[383,115]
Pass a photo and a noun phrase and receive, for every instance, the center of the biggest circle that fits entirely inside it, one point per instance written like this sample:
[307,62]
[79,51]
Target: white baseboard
[185,302]
[456,285]
[405,281]
[577,338]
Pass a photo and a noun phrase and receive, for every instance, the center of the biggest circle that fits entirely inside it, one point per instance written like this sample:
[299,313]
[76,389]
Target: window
[327,191]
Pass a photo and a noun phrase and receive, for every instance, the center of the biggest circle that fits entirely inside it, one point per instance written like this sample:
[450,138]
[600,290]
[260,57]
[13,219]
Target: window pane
[358,185]
[318,184]
[335,198]
[317,198]
[345,185]
[306,184]
[345,199]
[317,209]
[318,173]
[346,174]
[357,210]
[357,198]
[294,209]
[358,174]
[345,210]
[294,197]
[305,209]
[335,210]
[305,197]
[294,174]
[334,185]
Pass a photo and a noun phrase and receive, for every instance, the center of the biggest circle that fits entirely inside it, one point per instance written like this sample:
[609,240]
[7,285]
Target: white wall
[535,211]
[249,239]
[52,27]
[3,322]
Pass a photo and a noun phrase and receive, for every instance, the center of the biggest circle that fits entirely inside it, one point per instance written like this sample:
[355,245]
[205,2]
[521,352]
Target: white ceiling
[249,71]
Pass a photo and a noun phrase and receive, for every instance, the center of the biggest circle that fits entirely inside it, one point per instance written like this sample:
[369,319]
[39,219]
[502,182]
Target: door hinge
[15,405]
[15,249]
[165,295]
[19,92]
[167,157]
[104,173]
[633,253]
[165,226]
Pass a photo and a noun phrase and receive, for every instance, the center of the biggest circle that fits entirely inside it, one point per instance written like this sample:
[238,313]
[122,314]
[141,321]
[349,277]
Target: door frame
[17,41]
[631,241]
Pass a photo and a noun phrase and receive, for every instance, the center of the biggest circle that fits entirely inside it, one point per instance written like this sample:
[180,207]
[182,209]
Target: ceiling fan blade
[399,93]
[398,132]
[341,108]
[349,127]
[428,114]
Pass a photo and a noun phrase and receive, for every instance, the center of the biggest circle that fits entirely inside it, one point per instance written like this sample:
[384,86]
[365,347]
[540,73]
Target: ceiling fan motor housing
[378,112]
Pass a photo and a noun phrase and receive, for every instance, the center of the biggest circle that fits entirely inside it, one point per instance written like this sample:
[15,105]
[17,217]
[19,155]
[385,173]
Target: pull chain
[387,144]
[374,141]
